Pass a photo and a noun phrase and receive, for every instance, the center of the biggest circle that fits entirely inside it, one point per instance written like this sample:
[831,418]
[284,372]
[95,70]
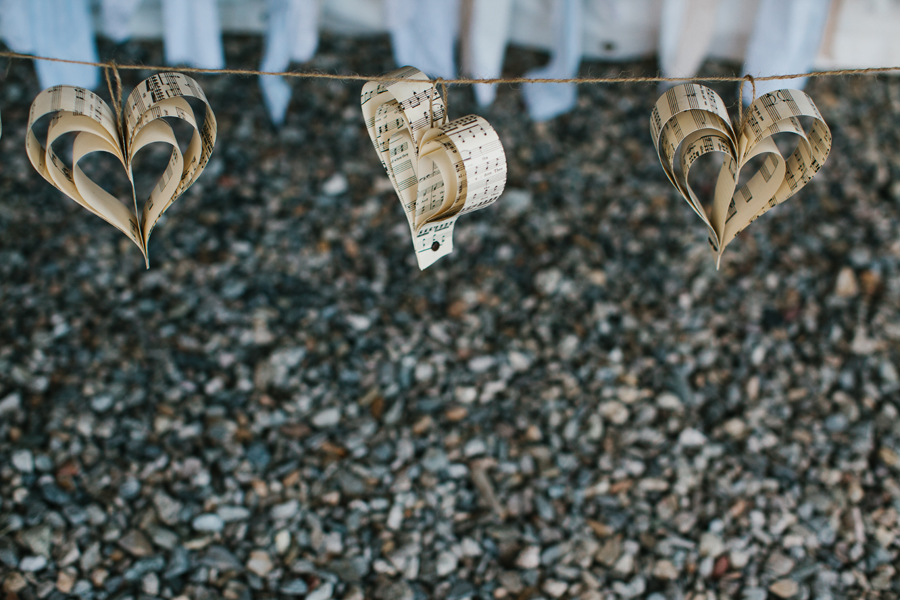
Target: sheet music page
[439,170]
[160,96]
[690,121]
[80,111]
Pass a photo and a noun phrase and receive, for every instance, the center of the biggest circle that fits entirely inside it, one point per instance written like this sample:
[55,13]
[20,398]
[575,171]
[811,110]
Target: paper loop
[691,120]
[439,172]
[80,111]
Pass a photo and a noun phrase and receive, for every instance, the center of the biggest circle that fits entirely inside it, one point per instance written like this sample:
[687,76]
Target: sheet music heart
[690,120]
[439,170]
[83,112]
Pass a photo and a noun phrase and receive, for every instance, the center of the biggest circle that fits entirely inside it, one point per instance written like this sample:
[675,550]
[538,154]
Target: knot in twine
[434,84]
[115,94]
[747,77]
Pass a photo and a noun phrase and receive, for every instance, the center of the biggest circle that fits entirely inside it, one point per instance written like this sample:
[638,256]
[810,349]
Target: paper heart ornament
[76,110]
[690,120]
[440,170]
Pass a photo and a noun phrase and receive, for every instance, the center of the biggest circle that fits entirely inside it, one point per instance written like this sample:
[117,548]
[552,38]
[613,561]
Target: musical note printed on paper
[690,121]
[439,169]
[80,111]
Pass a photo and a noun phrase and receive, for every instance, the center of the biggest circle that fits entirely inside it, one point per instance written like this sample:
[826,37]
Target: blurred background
[446,38]
[574,404]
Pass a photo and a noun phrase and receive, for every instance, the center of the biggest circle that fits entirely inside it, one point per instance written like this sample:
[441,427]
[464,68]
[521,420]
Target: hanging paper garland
[83,112]
[439,170]
[690,120]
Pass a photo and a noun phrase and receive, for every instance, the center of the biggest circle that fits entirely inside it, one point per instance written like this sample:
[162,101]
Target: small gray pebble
[294,587]
[208,522]
[219,557]
[23,461]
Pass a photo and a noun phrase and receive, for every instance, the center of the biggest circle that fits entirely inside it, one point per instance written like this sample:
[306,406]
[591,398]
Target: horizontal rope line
[457,81]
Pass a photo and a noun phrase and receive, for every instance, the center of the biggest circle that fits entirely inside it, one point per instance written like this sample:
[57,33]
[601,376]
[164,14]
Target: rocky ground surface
[575,404]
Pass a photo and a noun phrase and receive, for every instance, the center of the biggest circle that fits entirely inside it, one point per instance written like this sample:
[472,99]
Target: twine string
[747,77]
[446,100]
[115,95]
[431,101]
[461,80]
[434,84]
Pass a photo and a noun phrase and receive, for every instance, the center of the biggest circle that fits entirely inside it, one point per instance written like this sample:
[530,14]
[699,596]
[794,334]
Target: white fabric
[785,39]
[548,100]
[485,44]
[192,33]
[423,33]
[55,28]
[115,18]
[786,35]
[686,30]
[292,33]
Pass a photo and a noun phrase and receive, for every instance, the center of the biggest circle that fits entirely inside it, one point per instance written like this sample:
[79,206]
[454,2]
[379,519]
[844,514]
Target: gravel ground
[575,404]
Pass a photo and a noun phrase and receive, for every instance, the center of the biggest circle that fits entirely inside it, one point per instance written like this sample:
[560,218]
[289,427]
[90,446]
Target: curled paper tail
[429,250]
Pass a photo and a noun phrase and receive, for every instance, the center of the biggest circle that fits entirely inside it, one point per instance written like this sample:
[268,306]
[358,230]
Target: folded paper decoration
[80,111]
[441,170]
[690,120]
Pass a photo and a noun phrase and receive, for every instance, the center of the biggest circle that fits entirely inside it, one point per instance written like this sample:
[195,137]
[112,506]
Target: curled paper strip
[80,111]
[440,170]
[690,120]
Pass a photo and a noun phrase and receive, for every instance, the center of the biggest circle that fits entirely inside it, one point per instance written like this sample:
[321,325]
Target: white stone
[480,364]
[529,558]
[333,543]
[336,185]
[711,545]
[784,588]
[446,563]
[260,563]
[615,412]
[555,588]
[11,403]
[232,513]
[208,522]
[466,395]
[31,564]
[475,447]
[548,281]
[328,417]
[150,584]
[285,510]
[470,547]
[323,592]
[23,461]
[395,517]
[516,201]
[568,346]
[665,570]
[846,286]
[669,401]
[282,541]
[102,403]
[738,558]
[491,389]
[625,565]
[519,362]
[359,322]
[735,428]
[758,355]
[653,484]
[424,371]
[691,438]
